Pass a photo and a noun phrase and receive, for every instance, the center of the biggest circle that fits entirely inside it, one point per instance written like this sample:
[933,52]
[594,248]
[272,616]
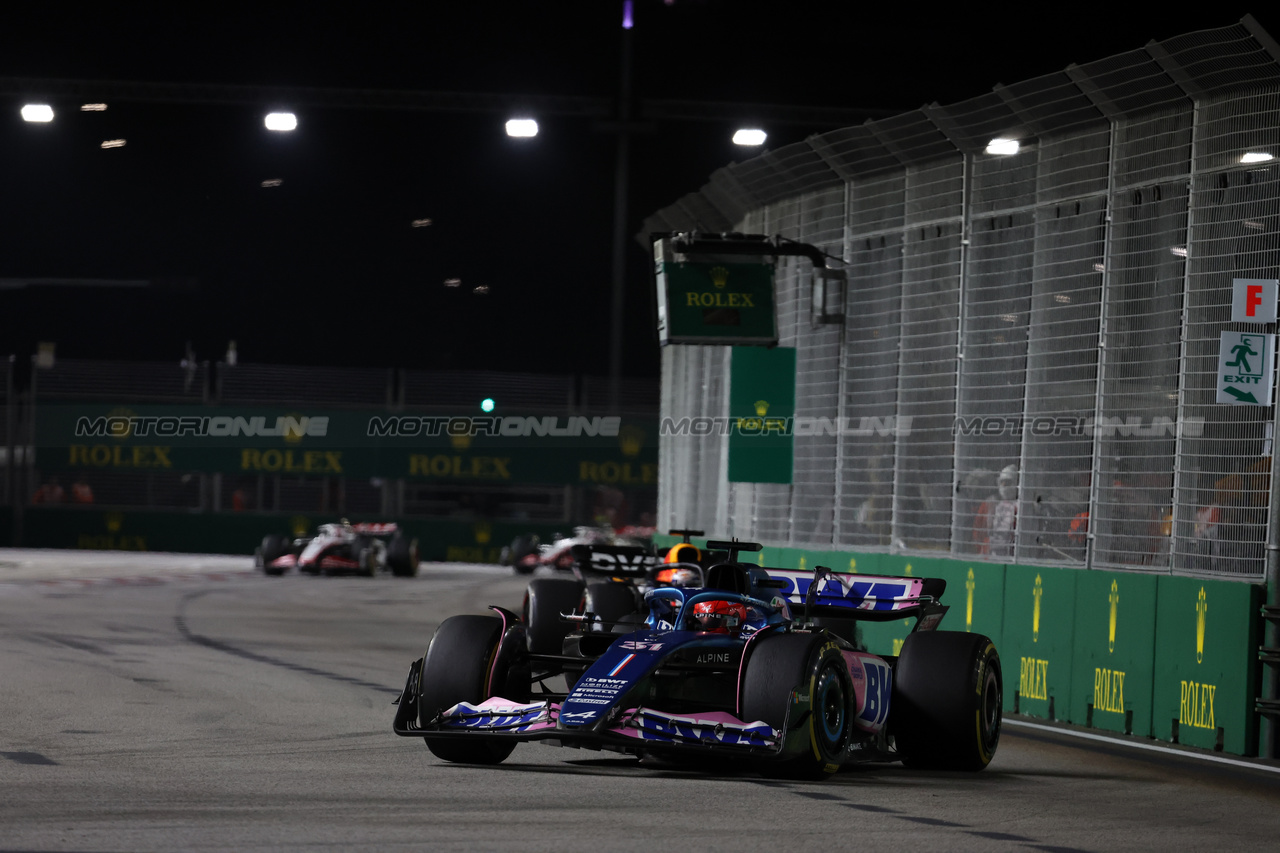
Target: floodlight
[749,136]
[281,121]
[486,405]
[1003,147]
[1256,157]
[522,127]
[37,112]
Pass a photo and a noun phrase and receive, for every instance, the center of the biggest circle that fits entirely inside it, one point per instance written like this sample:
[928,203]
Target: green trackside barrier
[1157,656]
[1037,643]
[1206,674]
[239,533]
[1113,652]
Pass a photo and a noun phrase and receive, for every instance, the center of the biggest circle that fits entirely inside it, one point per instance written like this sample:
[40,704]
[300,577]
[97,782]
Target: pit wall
[439,540]
[1170,658]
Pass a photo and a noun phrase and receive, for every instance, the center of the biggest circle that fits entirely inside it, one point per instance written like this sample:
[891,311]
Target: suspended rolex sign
[714,298]
[719,288]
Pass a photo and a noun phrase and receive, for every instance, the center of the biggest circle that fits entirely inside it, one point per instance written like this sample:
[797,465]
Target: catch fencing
[1052,315]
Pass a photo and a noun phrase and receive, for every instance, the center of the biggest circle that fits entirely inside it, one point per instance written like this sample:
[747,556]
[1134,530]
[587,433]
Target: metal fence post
[837,496]
[1179,443]
[966,230]
[1104,295]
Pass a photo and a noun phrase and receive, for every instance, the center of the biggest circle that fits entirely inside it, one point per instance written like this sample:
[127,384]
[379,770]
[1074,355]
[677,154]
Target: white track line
[1217,759]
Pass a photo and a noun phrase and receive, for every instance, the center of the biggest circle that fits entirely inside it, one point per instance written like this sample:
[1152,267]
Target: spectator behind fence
[81,491]
[49,493]
[997,517]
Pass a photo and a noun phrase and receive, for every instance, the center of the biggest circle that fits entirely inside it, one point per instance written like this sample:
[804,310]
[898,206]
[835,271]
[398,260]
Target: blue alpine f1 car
[760,664]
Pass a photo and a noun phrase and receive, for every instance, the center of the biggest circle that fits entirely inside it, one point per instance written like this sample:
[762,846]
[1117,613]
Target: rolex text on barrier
[513,449]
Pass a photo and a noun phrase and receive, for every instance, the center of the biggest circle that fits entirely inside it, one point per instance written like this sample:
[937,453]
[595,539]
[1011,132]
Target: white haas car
[527,553]
[341,548]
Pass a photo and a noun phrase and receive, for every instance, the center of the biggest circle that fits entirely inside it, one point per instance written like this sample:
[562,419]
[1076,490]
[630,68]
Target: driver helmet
[683,553]
[720,617]
[674,576]
[679,576]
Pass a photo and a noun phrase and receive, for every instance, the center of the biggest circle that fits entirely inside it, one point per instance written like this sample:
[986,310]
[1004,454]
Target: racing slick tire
[811,663]
[544,601]
[274,546]
[402,556]
[456,669]
[610,602]
[945,711]
[521,547]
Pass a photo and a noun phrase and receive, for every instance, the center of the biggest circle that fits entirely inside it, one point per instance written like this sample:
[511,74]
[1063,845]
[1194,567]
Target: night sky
[326,268]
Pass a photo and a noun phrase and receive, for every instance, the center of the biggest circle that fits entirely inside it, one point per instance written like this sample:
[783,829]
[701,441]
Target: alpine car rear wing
[870,598]
[835,595]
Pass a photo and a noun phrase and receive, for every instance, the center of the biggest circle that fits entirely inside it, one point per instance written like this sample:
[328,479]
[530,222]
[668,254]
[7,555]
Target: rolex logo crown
[762,407]
[719,275]
[631,440]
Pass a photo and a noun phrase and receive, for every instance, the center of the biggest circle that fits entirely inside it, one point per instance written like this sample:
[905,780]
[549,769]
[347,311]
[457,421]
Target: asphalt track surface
[178,703]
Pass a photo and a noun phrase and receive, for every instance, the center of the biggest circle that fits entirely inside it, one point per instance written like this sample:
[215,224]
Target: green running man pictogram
[1241,350]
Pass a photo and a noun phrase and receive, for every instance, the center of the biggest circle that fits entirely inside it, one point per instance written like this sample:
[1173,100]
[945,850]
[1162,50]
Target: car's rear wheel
[946,707]
[456,669]
[274,546]
[610,602]
[522,548]
[402,556]
[544,601]
[813,664]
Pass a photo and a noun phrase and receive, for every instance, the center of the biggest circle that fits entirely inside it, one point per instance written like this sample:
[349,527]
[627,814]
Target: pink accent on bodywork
[285,562]
[498,706]
[858,675]
[709,718]
[493,670]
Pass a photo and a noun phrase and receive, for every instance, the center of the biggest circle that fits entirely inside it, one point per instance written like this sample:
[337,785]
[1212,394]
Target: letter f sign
[1254,300]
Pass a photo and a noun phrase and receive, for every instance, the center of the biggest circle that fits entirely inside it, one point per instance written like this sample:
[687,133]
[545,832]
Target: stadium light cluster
[281,121]
[1003,147]
[522,128]
[37,113]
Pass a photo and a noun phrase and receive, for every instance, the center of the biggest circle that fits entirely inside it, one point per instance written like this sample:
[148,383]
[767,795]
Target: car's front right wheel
[456,668]
[813,665]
